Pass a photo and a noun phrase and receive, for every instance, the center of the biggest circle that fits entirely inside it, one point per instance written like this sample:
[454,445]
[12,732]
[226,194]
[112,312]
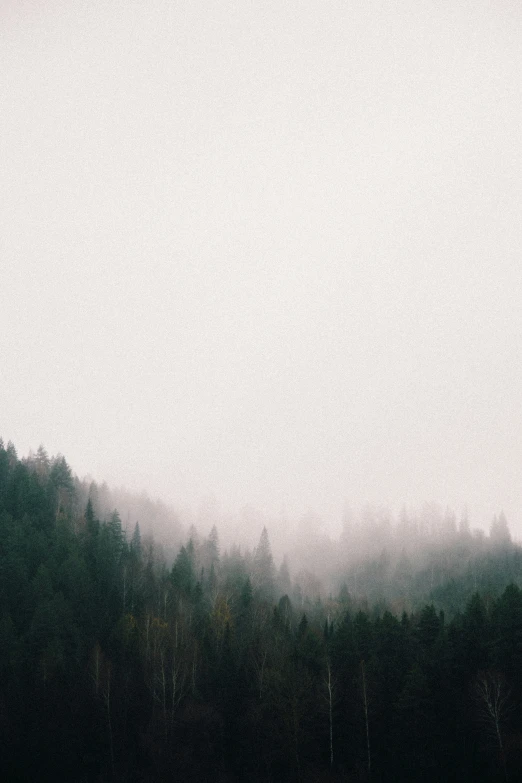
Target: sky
[266,253]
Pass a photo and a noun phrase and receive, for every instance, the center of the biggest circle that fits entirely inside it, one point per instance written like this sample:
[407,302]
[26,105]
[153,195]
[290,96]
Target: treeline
[117,664]
[403,560]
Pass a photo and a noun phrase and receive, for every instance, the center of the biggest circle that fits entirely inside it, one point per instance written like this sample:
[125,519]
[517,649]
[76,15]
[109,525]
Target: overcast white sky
[266,251]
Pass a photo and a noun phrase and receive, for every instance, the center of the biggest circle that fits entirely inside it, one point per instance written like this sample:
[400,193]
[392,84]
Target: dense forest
[394,654]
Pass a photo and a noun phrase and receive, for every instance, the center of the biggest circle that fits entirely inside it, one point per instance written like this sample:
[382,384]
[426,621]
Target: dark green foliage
[183,574]
[115,667]
[136,541]
[263,567]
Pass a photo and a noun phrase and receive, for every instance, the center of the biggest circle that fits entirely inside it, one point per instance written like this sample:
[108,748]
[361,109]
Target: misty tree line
[117,663]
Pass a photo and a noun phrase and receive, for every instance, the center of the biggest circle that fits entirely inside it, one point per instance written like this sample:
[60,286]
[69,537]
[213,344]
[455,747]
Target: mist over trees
[391,654]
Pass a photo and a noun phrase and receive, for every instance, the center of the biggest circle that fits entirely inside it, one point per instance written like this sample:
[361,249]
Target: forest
[393,654]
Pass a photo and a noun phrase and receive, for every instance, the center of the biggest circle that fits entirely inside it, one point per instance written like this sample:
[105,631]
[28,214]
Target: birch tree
[493,699]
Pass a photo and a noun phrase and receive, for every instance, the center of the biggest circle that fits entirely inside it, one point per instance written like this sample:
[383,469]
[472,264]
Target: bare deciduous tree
[493,698]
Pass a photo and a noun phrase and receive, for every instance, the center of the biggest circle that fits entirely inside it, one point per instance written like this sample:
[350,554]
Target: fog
[262,260]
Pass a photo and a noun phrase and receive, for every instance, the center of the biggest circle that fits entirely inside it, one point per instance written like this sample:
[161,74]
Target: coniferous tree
[263,567]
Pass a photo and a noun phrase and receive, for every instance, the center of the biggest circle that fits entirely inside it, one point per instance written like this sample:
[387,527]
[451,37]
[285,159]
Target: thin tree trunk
[164,692]
[296,742]
[329,686]
[109,721]
[194,669]
[493,697]
[365,705]
[501,746]
[262,674]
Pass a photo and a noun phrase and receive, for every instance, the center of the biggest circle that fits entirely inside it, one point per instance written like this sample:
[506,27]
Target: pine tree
[284,583]
[182,575]
[499,534]
[136,540]
[263,567]
[213,546]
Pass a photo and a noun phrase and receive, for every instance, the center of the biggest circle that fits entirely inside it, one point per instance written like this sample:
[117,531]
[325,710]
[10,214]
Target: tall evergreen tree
[263,567]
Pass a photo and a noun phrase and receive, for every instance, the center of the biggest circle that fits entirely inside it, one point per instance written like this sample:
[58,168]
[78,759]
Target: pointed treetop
[61,475]
[499,533]
[89,512]
[11,453]
[263,565]
[213,545]
[136,539]
[42,455]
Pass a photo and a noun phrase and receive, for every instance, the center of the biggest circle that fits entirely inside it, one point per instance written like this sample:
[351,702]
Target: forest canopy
[393,654]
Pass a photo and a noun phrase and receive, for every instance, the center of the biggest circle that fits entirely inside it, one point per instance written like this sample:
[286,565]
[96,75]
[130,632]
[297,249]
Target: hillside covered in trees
[394,654]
